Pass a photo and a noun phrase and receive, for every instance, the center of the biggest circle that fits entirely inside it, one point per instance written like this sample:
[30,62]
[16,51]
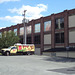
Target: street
[36,65]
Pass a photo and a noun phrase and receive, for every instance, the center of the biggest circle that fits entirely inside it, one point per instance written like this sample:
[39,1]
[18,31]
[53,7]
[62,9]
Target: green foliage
[8,39]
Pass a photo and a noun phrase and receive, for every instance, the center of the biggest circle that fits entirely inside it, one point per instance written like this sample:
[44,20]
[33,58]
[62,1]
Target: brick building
[55,32]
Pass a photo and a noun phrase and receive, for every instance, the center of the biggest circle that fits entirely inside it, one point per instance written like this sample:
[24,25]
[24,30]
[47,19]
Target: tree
[8,39]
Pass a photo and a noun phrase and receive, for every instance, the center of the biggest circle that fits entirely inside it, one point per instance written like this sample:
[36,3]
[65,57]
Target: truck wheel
[28,53]
[7,53]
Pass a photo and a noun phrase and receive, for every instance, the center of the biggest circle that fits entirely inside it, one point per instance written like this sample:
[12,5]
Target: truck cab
[9,50]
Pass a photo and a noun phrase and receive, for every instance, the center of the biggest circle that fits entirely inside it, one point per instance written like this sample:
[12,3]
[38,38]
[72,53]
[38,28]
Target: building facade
[56,31]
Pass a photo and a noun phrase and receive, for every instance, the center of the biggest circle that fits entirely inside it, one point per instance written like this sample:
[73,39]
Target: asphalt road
[36,65]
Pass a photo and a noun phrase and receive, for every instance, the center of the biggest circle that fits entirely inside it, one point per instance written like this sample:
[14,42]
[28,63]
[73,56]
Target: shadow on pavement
[60,59]
[69,70]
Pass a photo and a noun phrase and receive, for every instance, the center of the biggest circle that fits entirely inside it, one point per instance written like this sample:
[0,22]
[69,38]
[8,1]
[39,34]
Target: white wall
[72,37]
[72,21]
[47,47]
[37,51]
[59,46]
[47,39]
[60,54]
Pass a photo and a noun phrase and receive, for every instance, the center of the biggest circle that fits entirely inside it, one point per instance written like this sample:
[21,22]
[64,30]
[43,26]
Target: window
[13,48]
[0,34]
[37,28]
[22,31]
[37,39]
[59,37]
[47,26]
[56,24]
[59,23]
[62,22]
[9,31]
[21,40]
[15,31]
[28,29]
[29,40]
[5,33]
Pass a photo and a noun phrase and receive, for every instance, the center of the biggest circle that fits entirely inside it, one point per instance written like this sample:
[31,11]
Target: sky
[11,10]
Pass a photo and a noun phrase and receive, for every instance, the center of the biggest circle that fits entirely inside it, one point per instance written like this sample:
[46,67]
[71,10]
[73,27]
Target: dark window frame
[59,23]
[29,39]
[59,37]
[37,39]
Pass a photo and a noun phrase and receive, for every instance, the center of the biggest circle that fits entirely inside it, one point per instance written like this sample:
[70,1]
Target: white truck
[19,48]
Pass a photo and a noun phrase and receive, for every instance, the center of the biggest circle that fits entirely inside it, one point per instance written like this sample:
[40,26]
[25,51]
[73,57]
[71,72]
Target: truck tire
[28,53]
[7,53]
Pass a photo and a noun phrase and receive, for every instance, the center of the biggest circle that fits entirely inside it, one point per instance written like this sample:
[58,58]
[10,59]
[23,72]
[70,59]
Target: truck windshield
[12,47]
[9,47]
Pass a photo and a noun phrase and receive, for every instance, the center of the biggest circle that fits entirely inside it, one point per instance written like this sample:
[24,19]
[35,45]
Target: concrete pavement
[36,65]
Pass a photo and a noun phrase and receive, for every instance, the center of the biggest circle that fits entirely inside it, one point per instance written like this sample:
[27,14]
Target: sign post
[24,41]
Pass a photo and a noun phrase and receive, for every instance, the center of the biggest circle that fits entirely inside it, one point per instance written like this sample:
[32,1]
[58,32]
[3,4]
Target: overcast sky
[11,10]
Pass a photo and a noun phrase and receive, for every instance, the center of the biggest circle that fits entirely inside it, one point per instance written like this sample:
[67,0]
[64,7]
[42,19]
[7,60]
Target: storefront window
[37,28]
[22,31]
[47,26]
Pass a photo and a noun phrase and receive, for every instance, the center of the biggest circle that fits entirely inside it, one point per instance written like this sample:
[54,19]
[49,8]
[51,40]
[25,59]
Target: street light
[24,21]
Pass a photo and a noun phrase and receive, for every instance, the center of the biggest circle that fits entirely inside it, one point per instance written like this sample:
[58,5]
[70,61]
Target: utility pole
[24,39]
